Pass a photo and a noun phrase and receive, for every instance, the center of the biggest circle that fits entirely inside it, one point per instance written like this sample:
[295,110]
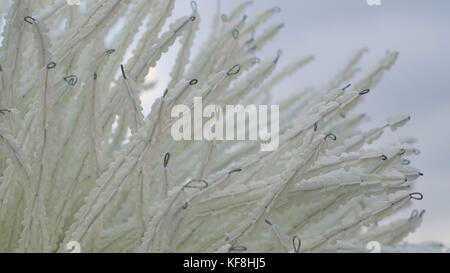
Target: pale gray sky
[418,84]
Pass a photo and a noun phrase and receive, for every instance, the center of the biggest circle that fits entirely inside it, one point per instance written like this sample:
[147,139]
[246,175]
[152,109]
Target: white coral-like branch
[80,162]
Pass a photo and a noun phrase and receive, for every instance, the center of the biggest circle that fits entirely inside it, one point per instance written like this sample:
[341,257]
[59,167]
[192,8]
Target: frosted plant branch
[79,161]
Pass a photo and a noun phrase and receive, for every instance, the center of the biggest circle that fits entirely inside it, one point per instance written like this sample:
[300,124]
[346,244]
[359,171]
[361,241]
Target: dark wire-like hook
[123,71]
[71,80]
[234,70]
[30,20]
[238,248]
[166,159]
[110,51]
[193,82]
[416,196]
[296,243]
[51,65]
[235,170]
[331,136]
[235,33]
[188,184]
[363,92]
[406,161]
[401,152]
[194,6]
[2,111]
[347,86]
[384,157]
[233,246]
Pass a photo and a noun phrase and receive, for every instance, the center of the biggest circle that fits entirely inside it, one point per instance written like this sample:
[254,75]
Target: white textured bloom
[81,165]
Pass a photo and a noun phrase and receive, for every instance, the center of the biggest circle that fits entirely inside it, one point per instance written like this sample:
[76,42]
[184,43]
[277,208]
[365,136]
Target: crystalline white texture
[80,162]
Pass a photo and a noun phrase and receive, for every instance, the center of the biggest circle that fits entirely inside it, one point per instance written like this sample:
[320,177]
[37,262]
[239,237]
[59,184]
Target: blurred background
[418,84]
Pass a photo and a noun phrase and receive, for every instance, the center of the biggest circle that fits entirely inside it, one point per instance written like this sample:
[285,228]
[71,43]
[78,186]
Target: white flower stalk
[80,162]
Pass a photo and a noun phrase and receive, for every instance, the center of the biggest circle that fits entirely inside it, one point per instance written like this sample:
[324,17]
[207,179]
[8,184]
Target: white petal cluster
[80,162]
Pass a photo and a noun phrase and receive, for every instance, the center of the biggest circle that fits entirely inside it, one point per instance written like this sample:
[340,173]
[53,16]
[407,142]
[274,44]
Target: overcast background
[418,84]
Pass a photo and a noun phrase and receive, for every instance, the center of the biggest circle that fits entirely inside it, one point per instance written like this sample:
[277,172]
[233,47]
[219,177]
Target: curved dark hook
[401,152]
[268,222]
[51,65]
[331,136]
[30,20]
[234,70]
[233,247]
[3,111]
[347,86]
[165,93]
[384,157]
[123,71]
[110,51]
[235,33]
[238,248]
[72,79]
[188,184]
[416,196]
[235,171]
[193,82]
[406,161]
[166,159]
[363,92]
[194,6]
[296,243]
